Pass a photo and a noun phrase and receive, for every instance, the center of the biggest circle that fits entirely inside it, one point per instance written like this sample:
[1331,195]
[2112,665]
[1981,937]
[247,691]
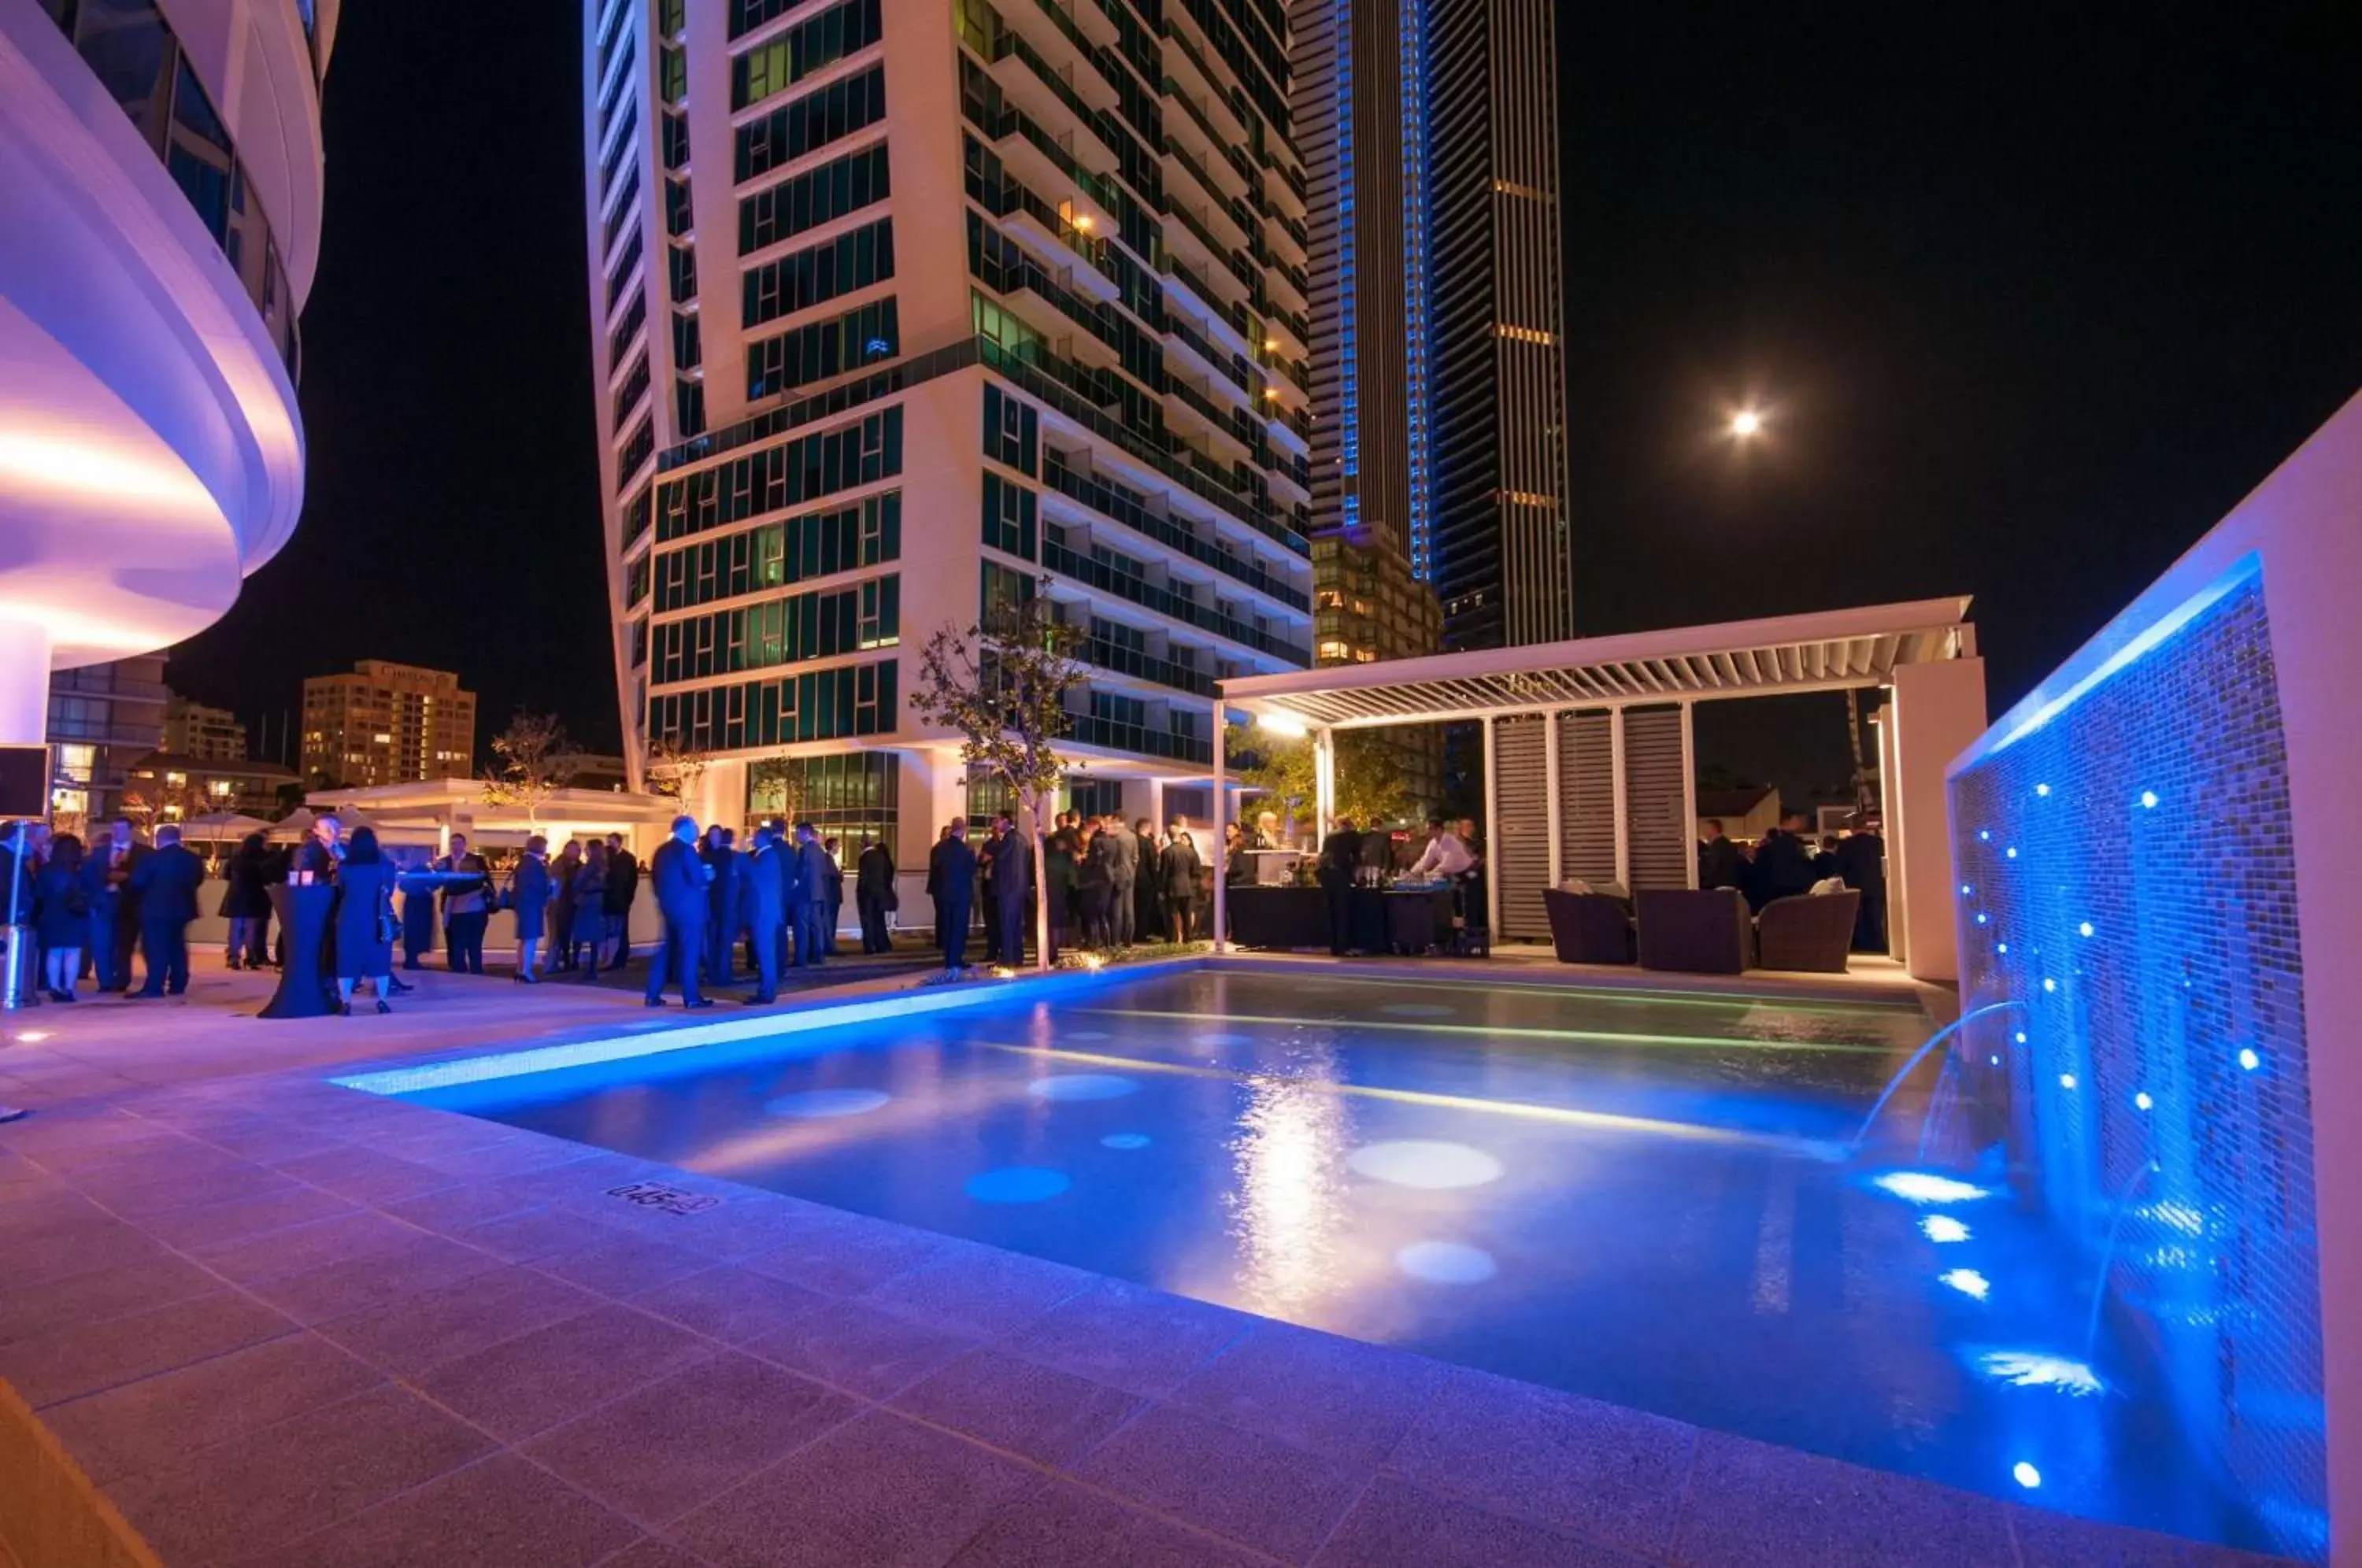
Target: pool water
[1643,1197]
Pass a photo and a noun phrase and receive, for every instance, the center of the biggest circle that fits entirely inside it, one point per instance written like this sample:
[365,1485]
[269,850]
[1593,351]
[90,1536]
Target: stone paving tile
[1604,1472]
[240,1183]
[502,1513]
[871,1354]
[651,1554]
[417,1262]
[276,1484]
[879,1490]
[1399,1526]
[530,1234]
[848,1255]
[976,1289]
[83,1299]
[1037,1413]
[1751,1504]
[213,1227]
[1129,1336]
[621,1266]
[582,1184]
[268,1140]
[1332,1395]
[64,1212]
[299,1249]
[1065,1525]
[451,1209]
[533,1381]
[753,1225]
[365,1176]
[732,1305]
[1253,1489]
[83,1360]
[147,1424]
[2047,1539]
[111,1244]
[407,1336]
[683,1440]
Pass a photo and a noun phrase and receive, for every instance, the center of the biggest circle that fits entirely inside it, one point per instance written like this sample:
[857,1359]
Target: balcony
[1141,740]
[1117,659]
[1105,501]
[1082,568]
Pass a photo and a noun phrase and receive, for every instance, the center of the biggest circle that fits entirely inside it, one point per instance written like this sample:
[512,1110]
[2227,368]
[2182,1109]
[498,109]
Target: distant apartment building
[168,787]
[101,717]
[387,723]
[203,733]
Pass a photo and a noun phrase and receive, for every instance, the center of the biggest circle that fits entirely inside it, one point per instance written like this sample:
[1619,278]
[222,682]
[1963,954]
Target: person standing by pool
[1148,892]
[1180,865]
[679,880]
[166,885]
[622,887]
[987,868]
[1123,876]
[245,903]
[720,855]
[1720,863]
[1012,889]
[1094,879]
[950,869]
[873,894]
[561,905]
[1058,862]
[1340,861]
[529,893]
[763,913]
[364,921]
[586,929]
[60,915]
[467,906]
[810,906]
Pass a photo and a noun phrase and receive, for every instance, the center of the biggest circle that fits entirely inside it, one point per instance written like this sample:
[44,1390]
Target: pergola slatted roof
[1741,658]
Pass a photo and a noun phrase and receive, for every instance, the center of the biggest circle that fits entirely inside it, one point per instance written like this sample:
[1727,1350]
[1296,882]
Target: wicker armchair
[1589,928]
[1808,930]
[1702,931]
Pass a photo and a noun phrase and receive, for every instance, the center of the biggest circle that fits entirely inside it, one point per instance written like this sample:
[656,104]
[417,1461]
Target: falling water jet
[2124,1197]
[1938,1038]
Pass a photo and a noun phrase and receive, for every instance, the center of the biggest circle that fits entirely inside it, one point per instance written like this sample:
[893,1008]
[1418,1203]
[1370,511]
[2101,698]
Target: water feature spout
[1938,1038]
[2124,1197]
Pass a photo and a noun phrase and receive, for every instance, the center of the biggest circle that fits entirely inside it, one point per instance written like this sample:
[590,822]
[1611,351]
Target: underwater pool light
[2026,1476]
[2011,852]
[2000,946]
[2042,788]
[2084,929]
[1968,1282]
[1980,917]
[1994,1060]
[1927,1186]
[1964,889]
[2020,1036]
[2141,1101]
[2148,799]
[2039,1369]
[1943,1228]
[2248,1059]
[1984,836]
[2066,1081]
[2049,984]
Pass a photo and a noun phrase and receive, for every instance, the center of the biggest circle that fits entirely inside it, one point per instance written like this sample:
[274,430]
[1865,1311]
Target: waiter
[1340,857]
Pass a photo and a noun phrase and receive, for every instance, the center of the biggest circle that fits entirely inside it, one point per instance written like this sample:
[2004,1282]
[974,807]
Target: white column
[1621,808]
[24,683]
[1492,828]
[1214,835]
[1938,710]
[1689,783]
[1549,806]
[1324,782]
[1157,804]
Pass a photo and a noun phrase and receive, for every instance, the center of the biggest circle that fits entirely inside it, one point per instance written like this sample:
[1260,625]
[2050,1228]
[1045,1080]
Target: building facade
[208,735]
[387,723]
[166,786]
[161,179]
[1430,129]
[101,718]
[1040,329]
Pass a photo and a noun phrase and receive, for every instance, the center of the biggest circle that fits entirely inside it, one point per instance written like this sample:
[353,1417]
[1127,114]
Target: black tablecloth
[304,920]
[1375,922]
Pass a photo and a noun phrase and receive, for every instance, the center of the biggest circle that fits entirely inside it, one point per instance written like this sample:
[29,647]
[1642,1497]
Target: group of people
[87,910]
[1786,861]
[781,899]
[1108,883]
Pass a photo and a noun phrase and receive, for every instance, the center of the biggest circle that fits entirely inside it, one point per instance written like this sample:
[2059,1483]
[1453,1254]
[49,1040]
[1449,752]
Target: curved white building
[160,172]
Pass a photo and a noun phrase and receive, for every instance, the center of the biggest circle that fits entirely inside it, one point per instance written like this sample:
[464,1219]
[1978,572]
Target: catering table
[1406,921]
[303,922]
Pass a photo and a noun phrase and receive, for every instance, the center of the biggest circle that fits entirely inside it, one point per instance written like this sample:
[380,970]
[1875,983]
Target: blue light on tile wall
[2130,878]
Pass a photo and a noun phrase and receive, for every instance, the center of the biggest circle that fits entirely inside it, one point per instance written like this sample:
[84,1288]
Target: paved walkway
[283,1323]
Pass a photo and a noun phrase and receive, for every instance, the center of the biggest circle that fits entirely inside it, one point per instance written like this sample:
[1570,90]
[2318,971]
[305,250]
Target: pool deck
[276,1320]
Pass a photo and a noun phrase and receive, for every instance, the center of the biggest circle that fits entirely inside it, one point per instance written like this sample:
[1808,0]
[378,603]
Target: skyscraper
[906,308]
[161,180]
[1431,138]
[387,723]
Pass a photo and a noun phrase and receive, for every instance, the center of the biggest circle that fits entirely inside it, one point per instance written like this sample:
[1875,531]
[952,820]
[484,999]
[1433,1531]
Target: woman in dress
[61,914]
[245,903]
[529,895]
[364,920]
[561,905]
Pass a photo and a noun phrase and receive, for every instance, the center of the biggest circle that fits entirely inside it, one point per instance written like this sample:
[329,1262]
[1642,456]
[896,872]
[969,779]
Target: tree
[534,762]
[780,779]
[675,768]
[1367,785]
[149,801]
[1002,685]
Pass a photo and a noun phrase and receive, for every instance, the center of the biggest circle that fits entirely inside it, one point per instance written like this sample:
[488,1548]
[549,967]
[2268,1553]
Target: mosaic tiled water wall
[2127,874]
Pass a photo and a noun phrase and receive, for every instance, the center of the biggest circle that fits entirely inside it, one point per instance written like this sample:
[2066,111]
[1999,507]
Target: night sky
[2032,297]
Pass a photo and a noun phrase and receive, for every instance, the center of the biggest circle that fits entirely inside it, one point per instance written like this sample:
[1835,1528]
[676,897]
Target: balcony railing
[1107,503]
[1140,739]
[1125,586]
[1120,660]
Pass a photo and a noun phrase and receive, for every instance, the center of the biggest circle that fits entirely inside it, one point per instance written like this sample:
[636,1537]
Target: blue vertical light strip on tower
[1414,142]
[1349,378]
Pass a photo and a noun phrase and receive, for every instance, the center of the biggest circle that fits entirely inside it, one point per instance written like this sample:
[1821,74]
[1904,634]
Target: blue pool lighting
[1425,1164]
[1968,1282]
[1943,1228]
[2049,983]
[2248,1059]
[815,1104]
[2037,1369]
[2020,1036]
[2011,852]
[1926,1186]
[2025,1475]
[2042,788]
[1017,1184]
[1125,1141]
[1082,1085]
[1446,1263]
[2066,1081]
[1994,1060]
[1226,1040]
[2141,1101]
[2148,799]
[2085,928]
[2000,946]
[1984,836]
[1082,1034]
[1980,917]
[1964,889]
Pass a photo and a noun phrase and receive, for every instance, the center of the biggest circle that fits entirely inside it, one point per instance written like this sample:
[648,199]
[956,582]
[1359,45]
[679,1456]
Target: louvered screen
[1521,838]
[1654,800]
[1586,795]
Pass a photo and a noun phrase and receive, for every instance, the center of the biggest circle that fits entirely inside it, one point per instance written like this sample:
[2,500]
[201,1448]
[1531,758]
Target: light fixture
[2085,928]
[2042,788]
[2025,1475]
[2066,1081]
[2141,1101]
[1284,725]
[2011,852]
[2248,1059]
[1747,422]
[1968,1282]
[2148,799]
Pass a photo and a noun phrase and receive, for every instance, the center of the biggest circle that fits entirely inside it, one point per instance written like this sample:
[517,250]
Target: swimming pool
[1643,1197]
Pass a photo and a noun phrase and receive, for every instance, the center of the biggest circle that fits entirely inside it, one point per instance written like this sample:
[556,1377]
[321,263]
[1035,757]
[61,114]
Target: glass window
[811,122]
[779,63]
[1009,516]
[834,189]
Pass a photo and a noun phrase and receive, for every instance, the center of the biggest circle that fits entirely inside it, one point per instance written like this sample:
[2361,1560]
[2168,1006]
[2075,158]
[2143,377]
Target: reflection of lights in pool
[1943,1228]
[1926,1186]
[2035,1369]
[1226,1040]
[2141,1101]
[1081,1086]
[1125,1141]
[1017,1184]
[2179,1215]
[2026,1476]
[2148,799]
[2248,1059]
[1424,1162]
[1446,1263]
[32,1036]
[1968,1282]
[2066,1081]
[823,1103]
[1416,1009]
[1084,1034]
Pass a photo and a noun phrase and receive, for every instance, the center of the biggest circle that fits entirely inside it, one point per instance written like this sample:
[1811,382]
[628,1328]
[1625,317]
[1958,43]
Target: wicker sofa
[1813,932]
[1702,931]
[1589,928]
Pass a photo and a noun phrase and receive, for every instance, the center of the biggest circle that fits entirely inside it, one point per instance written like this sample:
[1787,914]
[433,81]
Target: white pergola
[1632,695]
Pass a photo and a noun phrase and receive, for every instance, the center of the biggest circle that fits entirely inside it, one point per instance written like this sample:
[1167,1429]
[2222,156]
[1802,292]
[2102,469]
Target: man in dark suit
[1341,857]
[809,909]
[1861,861]
[873,894]
[622,887]
[952,871]
[720,853]
[114,911]
[678,878]
[1720,863]
[1783,867]
[764,913]
[166,885]
[987,869]
[1012,889]
[1124,878]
